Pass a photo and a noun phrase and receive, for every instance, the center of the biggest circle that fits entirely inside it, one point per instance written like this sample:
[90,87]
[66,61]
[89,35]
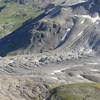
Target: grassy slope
[80,91]
[14,15]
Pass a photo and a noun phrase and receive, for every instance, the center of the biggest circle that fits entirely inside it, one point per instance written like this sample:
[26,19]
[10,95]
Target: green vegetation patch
[13,15]
[80,91]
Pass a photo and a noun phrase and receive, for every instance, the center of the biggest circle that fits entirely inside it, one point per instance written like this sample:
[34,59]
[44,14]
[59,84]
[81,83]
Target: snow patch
[59,71]
[82,22]
[93,19]
[97,22]
[55,78]
[80,33]
[11,61]
[63,38]
[79,76]
[81,49]
[83,1]
[94,63]
[94,70]
[78,65]
[88,51]
[52,73]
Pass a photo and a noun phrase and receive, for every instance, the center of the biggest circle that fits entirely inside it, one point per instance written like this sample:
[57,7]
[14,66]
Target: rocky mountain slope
[16,88]
[54,55]
[73,29]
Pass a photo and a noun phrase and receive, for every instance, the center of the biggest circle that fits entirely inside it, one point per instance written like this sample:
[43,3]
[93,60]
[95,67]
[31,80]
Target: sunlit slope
[80,91]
